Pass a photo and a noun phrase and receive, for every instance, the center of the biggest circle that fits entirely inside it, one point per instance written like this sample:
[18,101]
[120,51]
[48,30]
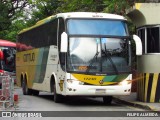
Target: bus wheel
[35,92]
[107,100]
[25,89]
[57,97]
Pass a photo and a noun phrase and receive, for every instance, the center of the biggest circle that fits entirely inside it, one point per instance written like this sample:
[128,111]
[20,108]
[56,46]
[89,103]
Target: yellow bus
[76,54]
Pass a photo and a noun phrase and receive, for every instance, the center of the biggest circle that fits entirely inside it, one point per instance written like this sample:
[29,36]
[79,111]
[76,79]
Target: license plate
[100,91]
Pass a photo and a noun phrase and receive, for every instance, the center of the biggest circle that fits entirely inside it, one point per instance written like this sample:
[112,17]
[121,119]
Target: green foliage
[15,16]
[116,6]
[44,8]
[13,29]
[10,10]
[81,6]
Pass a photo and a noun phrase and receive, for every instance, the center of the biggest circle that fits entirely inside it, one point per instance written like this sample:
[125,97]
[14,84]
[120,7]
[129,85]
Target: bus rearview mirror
[138,43]
[64,42]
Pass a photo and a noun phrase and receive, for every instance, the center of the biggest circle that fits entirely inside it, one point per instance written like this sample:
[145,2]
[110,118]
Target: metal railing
[6,92]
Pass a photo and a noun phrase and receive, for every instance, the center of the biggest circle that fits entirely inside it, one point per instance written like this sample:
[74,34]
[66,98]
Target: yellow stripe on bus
[92,79]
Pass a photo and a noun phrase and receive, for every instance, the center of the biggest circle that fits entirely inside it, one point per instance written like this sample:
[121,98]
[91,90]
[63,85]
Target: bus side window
[8,56]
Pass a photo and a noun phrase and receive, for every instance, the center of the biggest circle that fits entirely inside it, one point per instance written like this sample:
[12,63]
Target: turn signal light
[125,82]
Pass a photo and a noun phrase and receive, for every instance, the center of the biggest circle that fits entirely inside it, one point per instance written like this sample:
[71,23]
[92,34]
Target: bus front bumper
[92,90]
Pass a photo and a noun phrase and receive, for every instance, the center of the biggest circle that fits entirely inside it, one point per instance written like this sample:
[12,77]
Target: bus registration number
[100,91]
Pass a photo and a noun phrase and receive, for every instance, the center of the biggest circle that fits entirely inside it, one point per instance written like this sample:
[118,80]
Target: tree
[119,6]
[116,6]
[42,9]
[81,6]
[18,14]
[10,10]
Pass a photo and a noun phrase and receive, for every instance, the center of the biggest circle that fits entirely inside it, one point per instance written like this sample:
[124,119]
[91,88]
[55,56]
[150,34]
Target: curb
[133,104]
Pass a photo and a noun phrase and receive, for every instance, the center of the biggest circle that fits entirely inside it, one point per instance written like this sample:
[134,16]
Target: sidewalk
[131,100]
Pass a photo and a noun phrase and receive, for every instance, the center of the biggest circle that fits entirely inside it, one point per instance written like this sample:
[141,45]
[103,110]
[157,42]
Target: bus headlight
[70,80]
[81,83]
[125,82]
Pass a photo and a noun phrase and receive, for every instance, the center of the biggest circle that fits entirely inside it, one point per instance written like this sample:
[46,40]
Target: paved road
[45,102]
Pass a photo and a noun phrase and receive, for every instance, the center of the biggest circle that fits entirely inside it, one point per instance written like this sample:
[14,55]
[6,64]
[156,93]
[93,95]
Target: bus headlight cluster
[81,83]
[125,82]
[71,81]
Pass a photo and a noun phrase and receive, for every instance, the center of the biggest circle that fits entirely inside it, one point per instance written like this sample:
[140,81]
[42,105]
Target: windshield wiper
[110,59]
[91,63]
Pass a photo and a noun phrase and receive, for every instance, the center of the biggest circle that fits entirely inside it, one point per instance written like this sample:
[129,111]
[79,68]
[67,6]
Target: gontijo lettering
[29,57]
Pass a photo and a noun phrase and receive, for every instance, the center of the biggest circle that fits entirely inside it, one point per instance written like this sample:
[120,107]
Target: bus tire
[35,92]
[107,100]
[57,97]
[25,89]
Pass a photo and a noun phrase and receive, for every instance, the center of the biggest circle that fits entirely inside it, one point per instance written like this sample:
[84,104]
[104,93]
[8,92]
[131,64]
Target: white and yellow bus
[76,54]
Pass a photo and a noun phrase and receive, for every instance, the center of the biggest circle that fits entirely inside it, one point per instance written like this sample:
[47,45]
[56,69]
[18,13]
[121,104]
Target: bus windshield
[97,27]
[100,55]
[98,46]
[7,62]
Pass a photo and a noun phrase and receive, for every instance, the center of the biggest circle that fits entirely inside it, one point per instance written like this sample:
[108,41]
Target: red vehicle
[7,59]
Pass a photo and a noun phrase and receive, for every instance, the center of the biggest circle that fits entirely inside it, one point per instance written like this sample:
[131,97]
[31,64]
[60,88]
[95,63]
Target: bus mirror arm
[138,43]
[64,42]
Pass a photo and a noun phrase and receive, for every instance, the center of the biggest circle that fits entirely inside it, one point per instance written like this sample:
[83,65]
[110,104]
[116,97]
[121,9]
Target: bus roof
[6,43]
[90,15]
[76,15]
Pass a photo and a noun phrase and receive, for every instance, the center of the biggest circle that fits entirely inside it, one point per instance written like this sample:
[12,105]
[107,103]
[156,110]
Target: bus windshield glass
[98,55]
[7,62]
[98,46]
[97,27]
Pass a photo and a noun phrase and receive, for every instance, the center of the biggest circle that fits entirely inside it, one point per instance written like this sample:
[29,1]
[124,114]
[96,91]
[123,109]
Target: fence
[6,92]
